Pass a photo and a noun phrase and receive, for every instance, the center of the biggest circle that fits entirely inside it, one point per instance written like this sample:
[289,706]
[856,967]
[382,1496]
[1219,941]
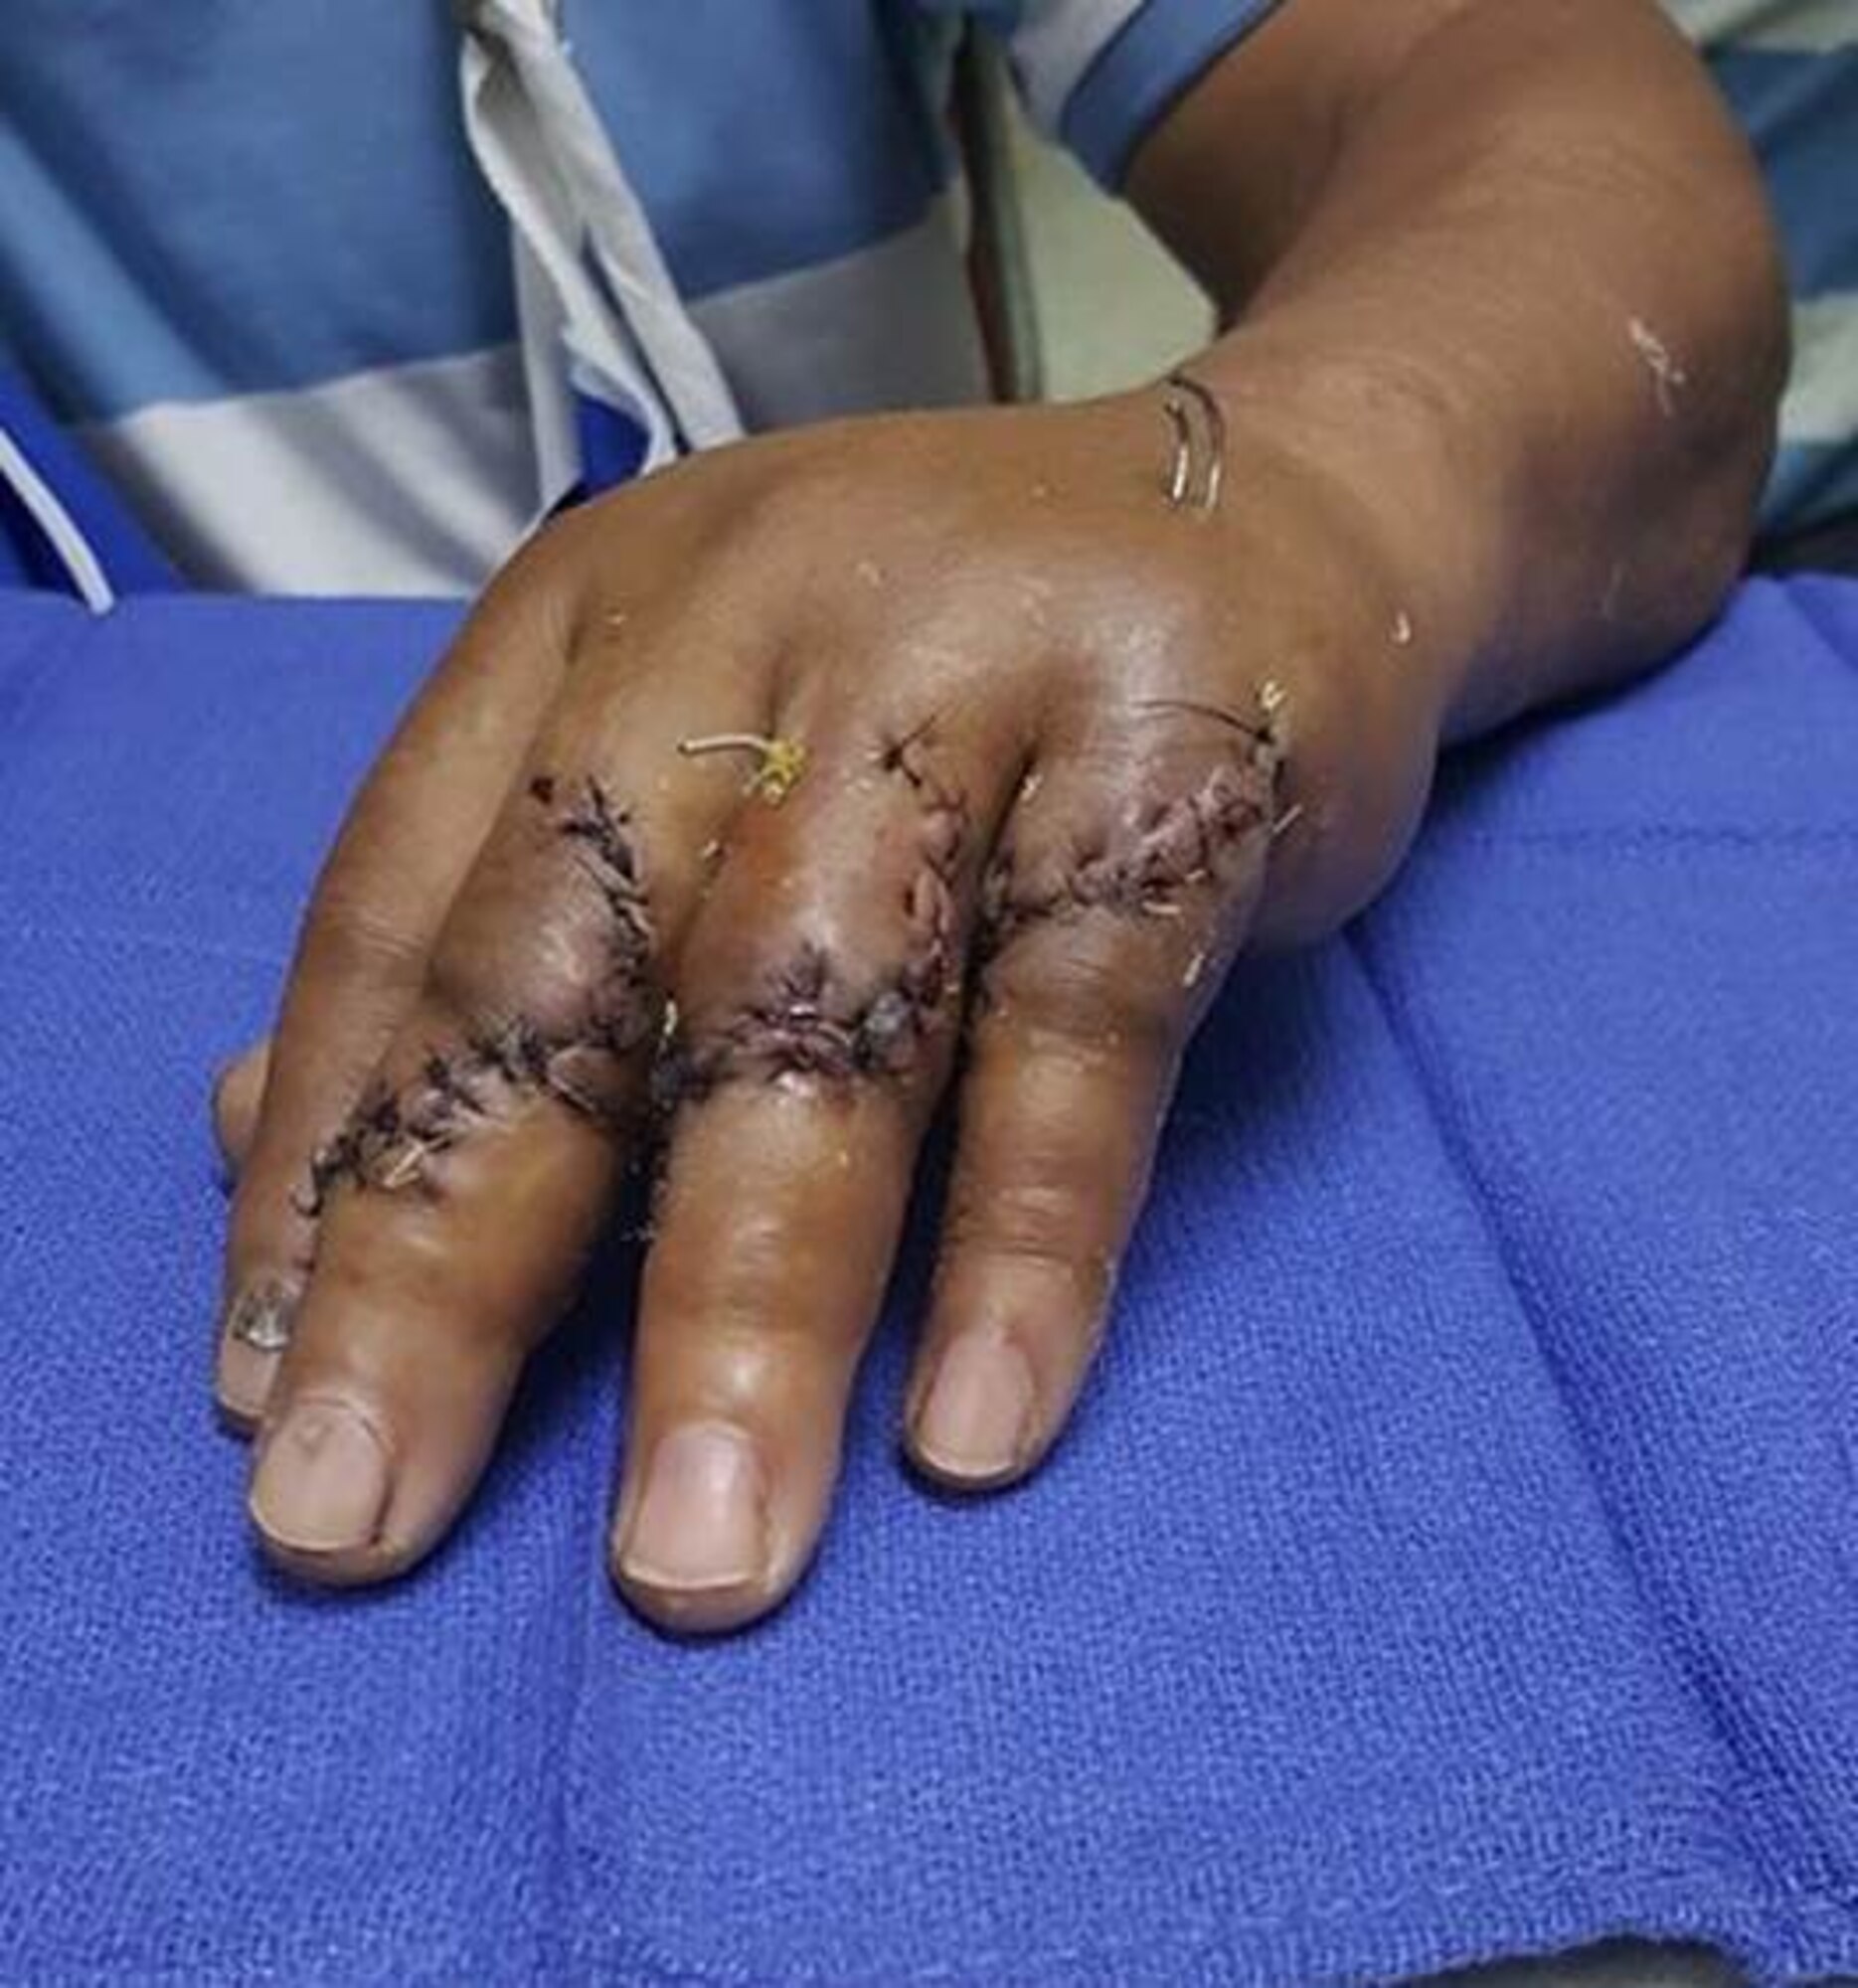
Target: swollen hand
[755,806]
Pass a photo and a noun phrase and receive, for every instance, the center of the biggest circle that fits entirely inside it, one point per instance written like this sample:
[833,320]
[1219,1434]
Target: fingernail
[253,1333]
[977,1417]
[321,1483]
[260,1316]
[702,1519]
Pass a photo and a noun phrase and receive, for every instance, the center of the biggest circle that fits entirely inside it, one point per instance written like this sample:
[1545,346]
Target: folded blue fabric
[1457,1552]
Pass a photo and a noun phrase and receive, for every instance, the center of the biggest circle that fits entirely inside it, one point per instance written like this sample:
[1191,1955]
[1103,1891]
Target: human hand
[754,803]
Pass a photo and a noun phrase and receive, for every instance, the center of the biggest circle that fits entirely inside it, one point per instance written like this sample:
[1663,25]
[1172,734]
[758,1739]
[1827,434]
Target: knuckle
[351,937]
[549,557]
[1086,997]
[768,517]
[531,601]
[551,973]
[482,990]
[565,946]
[1034,1221]
[1062,1236]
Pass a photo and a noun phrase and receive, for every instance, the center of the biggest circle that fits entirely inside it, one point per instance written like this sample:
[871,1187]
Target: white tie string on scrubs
[592,285]
[82,563]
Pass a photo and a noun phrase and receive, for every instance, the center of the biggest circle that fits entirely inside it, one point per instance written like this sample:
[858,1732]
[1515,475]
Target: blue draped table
[1456,1553]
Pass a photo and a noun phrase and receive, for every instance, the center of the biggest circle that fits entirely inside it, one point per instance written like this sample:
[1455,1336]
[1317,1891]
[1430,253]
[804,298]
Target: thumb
[237,1091]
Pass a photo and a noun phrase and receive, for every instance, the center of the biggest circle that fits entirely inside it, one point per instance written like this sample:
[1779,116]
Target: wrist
[1413,472]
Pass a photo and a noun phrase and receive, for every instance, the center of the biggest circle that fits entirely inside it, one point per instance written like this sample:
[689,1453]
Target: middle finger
[818,996]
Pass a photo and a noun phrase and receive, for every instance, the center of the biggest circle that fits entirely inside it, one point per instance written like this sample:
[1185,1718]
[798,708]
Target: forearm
[1521,293]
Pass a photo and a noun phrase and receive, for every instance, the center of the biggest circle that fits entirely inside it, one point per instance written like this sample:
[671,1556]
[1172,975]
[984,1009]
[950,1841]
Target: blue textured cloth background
[1457,1552]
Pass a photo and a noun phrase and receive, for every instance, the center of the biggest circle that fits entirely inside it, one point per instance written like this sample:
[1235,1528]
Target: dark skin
[1496,417]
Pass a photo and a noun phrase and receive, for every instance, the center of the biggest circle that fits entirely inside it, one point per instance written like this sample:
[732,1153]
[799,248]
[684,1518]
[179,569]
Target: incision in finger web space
[819,1017]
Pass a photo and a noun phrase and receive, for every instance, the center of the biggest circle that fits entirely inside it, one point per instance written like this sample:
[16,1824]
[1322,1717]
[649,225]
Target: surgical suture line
[1144,869]
[393,1135]
[1184,393]
[814,1015]
[820,1016]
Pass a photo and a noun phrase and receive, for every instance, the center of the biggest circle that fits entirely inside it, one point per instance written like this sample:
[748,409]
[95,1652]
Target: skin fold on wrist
[1413,473]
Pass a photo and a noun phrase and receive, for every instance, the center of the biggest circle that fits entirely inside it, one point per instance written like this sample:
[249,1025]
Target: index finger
[411,834]
[465,1191]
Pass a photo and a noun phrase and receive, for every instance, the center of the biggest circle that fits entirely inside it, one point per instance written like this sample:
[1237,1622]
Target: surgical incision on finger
[824,1017]
[813,1022]
[1174,844]
[396,1131]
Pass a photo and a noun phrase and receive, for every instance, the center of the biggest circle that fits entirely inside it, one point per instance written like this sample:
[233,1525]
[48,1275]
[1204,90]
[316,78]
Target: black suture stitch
[598,822]
[816,1032]
[1261,735]
[388,1134]
[801,984]
[896,754]
[1176,845]
[451,1086]
[905,756]
[809,1022]
[374,1126]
